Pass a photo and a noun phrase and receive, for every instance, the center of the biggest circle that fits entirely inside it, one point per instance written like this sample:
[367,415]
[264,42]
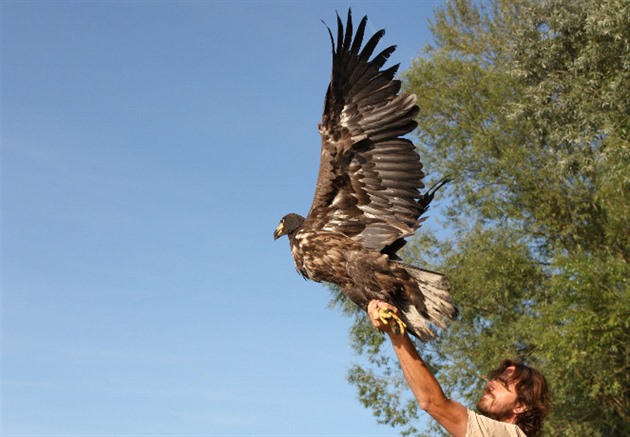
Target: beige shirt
[482,426]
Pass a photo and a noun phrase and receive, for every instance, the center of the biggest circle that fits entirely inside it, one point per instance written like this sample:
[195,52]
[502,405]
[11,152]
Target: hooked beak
[279,232]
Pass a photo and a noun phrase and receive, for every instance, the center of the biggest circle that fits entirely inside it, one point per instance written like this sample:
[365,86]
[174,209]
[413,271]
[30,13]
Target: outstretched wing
[369,181]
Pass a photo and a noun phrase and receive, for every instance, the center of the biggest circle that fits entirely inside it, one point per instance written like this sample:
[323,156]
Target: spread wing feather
[369,181]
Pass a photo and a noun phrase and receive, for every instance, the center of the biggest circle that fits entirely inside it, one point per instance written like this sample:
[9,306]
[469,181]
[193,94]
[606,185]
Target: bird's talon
[390,318]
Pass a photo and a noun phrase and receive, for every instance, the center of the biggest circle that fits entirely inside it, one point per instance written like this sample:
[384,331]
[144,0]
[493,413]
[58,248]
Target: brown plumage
[368,198]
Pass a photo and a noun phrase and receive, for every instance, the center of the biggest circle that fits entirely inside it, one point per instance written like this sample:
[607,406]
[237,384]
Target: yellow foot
[394,322]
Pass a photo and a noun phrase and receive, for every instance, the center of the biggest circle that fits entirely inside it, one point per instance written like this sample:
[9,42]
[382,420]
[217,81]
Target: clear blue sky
[148,151]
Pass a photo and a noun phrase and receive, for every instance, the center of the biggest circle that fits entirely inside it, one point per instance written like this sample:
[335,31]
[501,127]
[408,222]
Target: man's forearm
[450,414]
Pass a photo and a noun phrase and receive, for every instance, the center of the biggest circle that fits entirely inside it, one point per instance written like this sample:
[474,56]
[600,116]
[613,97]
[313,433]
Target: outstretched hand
[452,415]
[373,311]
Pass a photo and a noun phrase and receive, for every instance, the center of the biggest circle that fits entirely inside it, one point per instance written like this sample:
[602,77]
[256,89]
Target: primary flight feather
[368,198]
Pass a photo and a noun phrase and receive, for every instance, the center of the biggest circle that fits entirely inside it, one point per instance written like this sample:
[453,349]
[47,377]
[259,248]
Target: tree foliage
[527,104]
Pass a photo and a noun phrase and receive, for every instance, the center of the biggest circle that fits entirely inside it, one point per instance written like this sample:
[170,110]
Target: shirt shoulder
[482,426]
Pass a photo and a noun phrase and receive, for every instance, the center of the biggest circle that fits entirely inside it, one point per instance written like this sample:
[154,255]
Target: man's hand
[376,310]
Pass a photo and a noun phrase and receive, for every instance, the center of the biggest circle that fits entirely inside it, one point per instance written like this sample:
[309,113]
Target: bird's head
[289,223]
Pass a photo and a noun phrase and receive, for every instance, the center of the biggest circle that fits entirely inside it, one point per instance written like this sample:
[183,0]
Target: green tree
[527,104]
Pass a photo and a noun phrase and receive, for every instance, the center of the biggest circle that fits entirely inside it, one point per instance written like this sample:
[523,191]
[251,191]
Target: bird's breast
[321,256]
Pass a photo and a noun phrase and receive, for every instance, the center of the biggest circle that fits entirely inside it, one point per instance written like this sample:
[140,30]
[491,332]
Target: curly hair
[532,391]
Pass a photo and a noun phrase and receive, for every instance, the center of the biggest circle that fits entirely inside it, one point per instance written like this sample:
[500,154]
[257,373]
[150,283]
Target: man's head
[516,394]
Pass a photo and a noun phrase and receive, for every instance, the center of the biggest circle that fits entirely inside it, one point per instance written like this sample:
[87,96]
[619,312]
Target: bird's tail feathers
[438,307]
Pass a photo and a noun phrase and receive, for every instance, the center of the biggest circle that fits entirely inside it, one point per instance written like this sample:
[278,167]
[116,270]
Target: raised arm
[452,415]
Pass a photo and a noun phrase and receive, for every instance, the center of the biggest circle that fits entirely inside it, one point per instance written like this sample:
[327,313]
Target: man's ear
[520,408]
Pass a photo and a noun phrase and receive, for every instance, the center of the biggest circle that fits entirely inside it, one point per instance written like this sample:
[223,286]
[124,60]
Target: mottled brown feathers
[368,195]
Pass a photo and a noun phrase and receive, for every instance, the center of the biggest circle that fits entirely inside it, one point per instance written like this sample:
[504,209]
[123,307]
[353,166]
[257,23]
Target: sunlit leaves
[527,104]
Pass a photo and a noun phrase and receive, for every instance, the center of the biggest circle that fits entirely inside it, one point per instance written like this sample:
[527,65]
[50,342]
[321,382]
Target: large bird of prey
[368,198]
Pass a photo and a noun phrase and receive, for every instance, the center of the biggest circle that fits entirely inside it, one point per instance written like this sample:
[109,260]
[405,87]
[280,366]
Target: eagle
[368,195]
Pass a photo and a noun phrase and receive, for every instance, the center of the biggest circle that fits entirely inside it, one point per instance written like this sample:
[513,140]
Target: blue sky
[148,151]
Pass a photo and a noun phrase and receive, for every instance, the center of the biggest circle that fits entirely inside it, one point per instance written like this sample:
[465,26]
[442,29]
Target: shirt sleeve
[482,426]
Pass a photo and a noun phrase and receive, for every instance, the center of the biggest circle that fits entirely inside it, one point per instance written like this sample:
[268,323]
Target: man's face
[499,398]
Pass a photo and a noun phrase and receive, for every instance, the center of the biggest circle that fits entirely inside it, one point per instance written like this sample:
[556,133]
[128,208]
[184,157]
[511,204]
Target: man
[514,402]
